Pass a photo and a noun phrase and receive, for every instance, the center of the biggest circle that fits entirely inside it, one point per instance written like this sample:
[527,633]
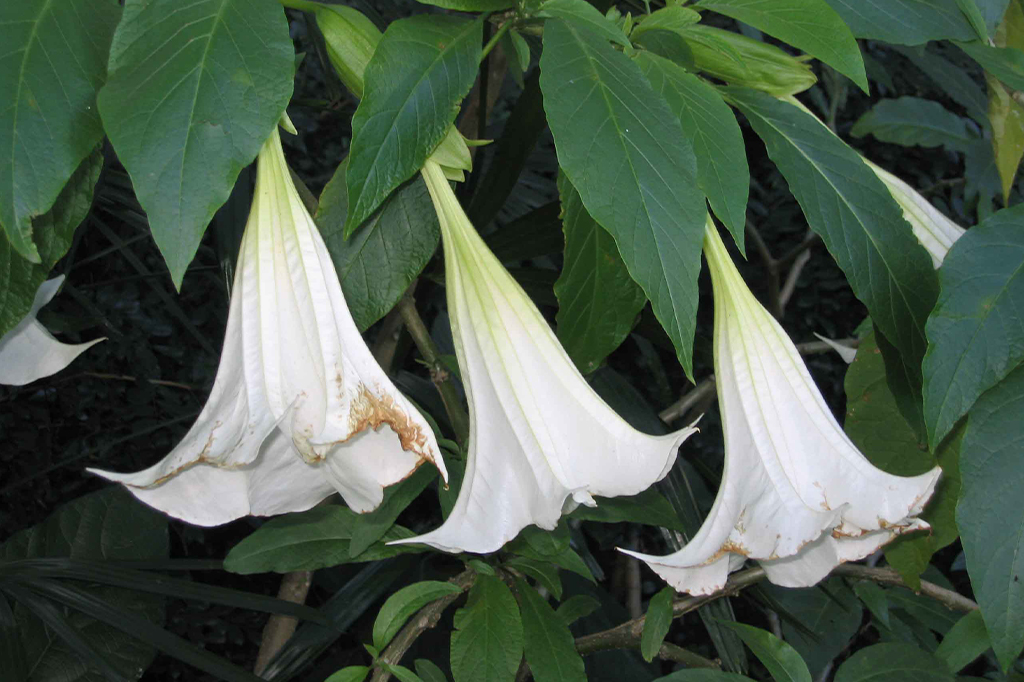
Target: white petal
[538,433]
[299,406]
[29,352]
[791,475]
[845,352]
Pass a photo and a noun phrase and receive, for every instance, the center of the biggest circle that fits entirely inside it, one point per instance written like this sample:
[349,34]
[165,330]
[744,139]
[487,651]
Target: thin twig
[791,278]
[425,618]
[125,377]
[706,387]
[887,576]
[772,266]
[438,373]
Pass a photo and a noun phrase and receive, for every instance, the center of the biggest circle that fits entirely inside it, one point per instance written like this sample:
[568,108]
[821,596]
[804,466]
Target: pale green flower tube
[541,440]
[29,352]
[299,408]
[796,494]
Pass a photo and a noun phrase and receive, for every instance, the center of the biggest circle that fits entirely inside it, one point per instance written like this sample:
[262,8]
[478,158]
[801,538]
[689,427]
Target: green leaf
[428,671]
[1006,118]
[830,615]
[550,647]
[54,59]
[976,332]
[538,233]
[352,673]
[670,18]
[967,640]
[576,607]
[957,83]
[991,522]
[471,5]
[911,121]
[700,675]
[109,525]
[782,660]
[585,16]
[553,546]
[401,605]
[597,301]
[544,572]
[858,220]
[974,16]
[875,599]
[372,526]
[623,149]
[194,90]
[657,623]
[420,71]
[309,540]
[711,128]
[401,673]
[905,22]
[810,25]
[488,640]
[649,507]
[386,253]
[1005,63]
[893,663]
[54,232]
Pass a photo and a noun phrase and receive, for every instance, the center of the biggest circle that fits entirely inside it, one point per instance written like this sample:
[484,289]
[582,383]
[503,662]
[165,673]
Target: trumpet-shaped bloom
[540,438]
[299,408]
[29,352]
[796,494]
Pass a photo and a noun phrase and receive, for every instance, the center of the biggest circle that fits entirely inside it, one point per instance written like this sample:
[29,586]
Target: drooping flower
[299,407]
[541,439]
[796,494]
[29,352]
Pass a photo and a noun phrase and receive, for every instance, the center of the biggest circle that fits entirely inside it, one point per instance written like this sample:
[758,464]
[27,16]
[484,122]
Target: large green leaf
[858,220]
[810,25]
[388,251]
[905,22]
[597,301]
[1005,63]
[990,516]
[964,642]
[420,71]
[371,526]
[53,59]
[488,640]
[829,616]
[649,507]
[107,525]
[976,333]
[911,121]
[623,149]
[586,16]
[893,663]
[19,279]
[471,5]
[701,675]
[194,90]
[782,660]
[956,82]
[309,540]
[711,127]
[550,648]
[401,605]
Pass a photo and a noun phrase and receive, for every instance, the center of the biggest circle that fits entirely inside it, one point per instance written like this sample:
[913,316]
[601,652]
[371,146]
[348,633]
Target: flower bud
[351,39]
[740,60]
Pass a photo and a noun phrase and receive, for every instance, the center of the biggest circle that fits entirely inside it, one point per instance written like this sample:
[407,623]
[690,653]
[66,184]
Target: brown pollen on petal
[370,411]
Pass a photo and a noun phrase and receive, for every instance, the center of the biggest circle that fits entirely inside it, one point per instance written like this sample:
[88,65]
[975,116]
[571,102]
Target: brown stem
[438,373]
[887,576]
[279,628]
[424,619]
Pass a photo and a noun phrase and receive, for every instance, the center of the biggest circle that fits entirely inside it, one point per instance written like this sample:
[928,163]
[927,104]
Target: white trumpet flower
[541,440]
[29,352]
[299,407]
[796,494]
